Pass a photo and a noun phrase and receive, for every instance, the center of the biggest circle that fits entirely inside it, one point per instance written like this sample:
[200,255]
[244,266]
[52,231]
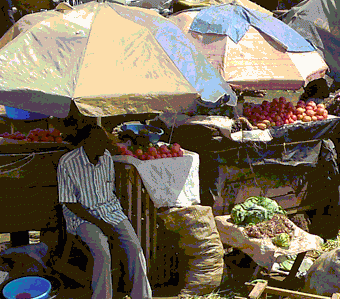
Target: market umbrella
[251,49]
[318,21]
[108,59]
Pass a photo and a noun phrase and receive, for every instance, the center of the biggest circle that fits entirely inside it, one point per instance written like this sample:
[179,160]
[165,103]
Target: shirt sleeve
[112,173]
[66,188]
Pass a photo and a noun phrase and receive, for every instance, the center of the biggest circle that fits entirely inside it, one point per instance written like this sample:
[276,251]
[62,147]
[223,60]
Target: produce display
[277,225]
[263,217]
[36,135]
[281,112]
[151,151]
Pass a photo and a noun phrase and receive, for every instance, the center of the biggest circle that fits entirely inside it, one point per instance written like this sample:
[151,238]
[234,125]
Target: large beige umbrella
[251,49]
[108,59]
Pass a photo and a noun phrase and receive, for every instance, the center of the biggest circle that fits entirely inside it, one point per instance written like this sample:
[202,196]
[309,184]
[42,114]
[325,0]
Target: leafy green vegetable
[255,209]
[282,240]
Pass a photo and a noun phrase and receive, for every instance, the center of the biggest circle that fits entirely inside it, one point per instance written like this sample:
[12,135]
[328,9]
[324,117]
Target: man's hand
[81,212]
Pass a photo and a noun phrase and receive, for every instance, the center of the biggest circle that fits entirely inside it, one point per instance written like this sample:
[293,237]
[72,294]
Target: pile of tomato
[151,152]
[36,135]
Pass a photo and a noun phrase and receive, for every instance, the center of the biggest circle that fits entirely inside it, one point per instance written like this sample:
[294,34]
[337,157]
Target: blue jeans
[100,250]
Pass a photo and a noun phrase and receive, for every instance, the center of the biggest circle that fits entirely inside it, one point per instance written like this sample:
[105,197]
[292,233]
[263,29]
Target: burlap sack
[201,242]
[323,278]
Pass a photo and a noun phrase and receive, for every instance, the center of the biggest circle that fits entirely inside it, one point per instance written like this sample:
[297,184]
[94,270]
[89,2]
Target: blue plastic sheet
[234,21]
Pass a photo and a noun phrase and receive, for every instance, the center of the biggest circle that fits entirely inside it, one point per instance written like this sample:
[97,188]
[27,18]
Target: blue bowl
[154,136]
[16,113]
[38,287]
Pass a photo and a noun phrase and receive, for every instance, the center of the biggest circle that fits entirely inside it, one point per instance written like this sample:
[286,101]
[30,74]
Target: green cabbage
[255,209]
[282,240]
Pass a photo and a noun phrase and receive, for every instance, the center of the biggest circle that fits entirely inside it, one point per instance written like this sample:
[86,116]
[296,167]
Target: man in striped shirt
[92,211]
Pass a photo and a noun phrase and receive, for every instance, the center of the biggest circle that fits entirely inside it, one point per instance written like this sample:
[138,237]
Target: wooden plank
[147,232]
[138,186]
[297,264]
[290,293]
[129,191]
[258,290]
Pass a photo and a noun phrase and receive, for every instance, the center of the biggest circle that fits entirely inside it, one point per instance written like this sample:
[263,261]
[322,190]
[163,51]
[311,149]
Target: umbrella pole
[99,121]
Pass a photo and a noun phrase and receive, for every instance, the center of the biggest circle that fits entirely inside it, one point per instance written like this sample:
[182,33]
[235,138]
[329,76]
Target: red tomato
[54,132]
[163,156]
[128,153]
[169,155]
[180,153]
[138,152]
[175,148]
[142,157]
[152,151]
[149,157]
[122,148]
[164,149]
[174,155]
[58,139]
[158,156]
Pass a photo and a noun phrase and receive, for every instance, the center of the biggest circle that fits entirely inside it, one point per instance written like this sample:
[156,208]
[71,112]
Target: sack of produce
[201,242]
[260,228]
[323,276]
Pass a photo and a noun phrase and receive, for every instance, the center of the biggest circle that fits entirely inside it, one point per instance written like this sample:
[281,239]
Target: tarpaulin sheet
[237,20]
[318,21]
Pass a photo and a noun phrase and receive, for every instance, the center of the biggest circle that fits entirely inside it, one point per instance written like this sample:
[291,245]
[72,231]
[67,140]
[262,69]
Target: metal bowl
[153,135]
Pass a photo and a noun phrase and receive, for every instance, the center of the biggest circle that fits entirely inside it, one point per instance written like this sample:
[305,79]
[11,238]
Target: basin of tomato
[151,152]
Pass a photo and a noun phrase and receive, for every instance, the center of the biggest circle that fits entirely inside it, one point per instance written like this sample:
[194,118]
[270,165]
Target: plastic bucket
[16,113]
[37,287]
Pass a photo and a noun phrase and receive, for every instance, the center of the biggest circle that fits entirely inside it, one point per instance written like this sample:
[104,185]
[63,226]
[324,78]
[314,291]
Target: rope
[17,161]
[3,172]
[253,172]
[267,146]
[30,155]
[39,153]
[172,128]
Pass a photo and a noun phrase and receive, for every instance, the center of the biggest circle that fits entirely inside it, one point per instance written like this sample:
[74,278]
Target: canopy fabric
[147,65]
[318,21]
[257,60]
[236,21]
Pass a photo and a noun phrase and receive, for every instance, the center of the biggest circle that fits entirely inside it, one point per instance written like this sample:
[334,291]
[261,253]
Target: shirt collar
[85,158]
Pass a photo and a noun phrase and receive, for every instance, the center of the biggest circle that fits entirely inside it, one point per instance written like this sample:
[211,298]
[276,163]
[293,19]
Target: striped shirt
[79,181]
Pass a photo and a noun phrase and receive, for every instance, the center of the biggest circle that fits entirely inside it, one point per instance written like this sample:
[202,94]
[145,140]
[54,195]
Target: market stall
[277,161]
[294,164]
